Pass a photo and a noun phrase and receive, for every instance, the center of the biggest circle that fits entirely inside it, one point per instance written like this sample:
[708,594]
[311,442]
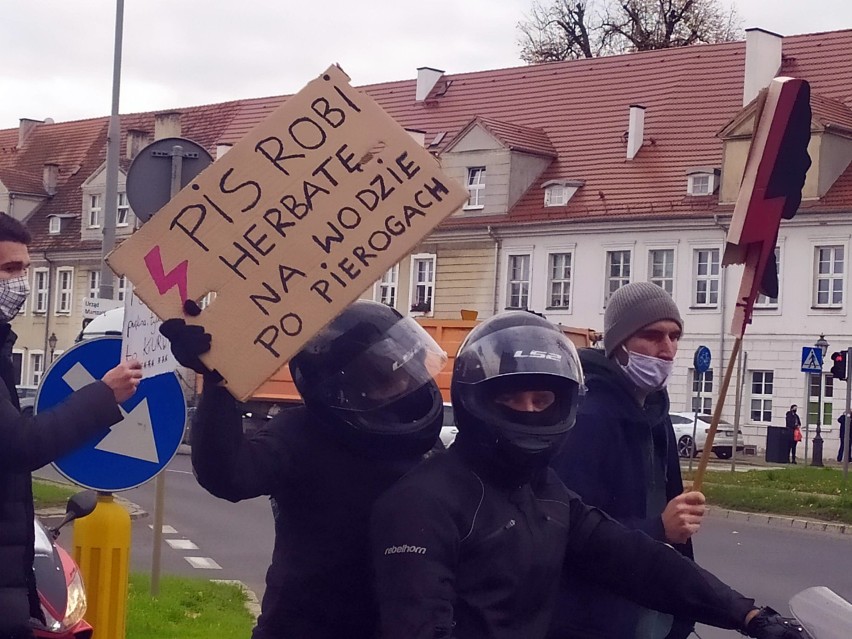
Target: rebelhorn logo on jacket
[405,548]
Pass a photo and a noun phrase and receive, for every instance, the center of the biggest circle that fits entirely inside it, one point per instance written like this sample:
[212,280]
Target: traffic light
[838,368]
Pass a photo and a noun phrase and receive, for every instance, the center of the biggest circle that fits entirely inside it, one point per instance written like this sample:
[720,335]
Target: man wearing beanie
[621,456]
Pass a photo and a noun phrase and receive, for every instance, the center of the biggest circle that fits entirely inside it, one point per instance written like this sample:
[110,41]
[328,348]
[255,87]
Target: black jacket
[458,556]
[319,585]
[26,444]
[621,458]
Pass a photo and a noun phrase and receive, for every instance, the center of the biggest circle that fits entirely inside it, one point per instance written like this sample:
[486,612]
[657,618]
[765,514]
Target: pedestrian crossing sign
[811,359]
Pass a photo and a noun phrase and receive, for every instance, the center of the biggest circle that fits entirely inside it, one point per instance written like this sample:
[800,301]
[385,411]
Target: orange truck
[280,390]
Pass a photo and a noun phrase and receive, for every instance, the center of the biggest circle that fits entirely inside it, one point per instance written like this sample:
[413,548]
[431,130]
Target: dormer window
[702,181]
[55,225]
[475,187]
[95,210]
[559,192]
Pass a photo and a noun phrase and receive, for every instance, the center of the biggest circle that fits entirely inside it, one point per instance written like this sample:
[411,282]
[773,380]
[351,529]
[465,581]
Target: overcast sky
[56,56]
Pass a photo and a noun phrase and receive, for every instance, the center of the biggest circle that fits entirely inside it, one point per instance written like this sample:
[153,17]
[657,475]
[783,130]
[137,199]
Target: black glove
[768,624]
[189,342]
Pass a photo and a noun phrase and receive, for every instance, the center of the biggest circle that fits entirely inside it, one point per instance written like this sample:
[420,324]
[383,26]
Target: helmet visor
[392,368]
[518,351]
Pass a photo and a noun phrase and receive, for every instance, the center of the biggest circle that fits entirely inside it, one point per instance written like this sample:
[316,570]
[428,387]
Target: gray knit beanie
[633,307]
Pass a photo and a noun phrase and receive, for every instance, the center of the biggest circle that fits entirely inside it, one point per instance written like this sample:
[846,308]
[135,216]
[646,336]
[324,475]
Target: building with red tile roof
[584,175]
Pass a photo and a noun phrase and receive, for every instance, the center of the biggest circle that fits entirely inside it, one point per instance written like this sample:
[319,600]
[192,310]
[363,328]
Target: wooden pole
[717,415]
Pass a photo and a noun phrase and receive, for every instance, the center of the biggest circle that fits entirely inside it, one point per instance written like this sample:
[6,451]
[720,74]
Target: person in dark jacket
[372,410]
[793,424]
[28,443]
[471,544]
[622,458]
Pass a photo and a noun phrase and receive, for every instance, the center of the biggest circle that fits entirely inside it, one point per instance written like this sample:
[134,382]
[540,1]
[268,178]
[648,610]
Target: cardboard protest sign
[141,339]
[289,227]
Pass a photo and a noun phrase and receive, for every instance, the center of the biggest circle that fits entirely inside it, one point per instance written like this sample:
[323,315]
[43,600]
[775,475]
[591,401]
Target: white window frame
[556,195]
[710,279]
[427,286]
[55,225]
[121,288]
[386,290]
[615,280]
[761,400]
[834,280]
[64,290]
[762,301]
[40,293]
[706,385]
[94,279]
[476,176]
[34,372]
[518,287]
[122,211]
[696,179]
[95,210]
[665,282]
[560,283]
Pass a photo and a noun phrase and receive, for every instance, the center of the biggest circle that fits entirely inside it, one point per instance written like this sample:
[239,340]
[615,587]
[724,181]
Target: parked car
[722,442]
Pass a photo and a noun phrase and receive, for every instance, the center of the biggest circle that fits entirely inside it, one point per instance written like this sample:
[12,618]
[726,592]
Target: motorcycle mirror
[79,505]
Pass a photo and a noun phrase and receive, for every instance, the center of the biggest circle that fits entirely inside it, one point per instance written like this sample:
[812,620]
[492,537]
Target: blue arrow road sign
[811,359]
[132,451]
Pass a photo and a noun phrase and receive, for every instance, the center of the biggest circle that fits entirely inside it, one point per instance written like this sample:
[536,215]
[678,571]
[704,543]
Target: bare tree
[567,29]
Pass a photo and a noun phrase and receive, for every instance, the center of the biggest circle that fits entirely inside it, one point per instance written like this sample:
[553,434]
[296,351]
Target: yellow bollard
[102,550]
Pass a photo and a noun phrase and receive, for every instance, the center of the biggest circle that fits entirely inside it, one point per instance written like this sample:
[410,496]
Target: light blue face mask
[13,294]
[647,373]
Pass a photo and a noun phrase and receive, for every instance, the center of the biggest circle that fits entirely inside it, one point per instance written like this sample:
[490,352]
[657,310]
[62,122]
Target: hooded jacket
[26,444]
[622,458]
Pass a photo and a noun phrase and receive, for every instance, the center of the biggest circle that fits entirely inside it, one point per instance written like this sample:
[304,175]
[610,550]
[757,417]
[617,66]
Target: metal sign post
[701,364]
[812,365]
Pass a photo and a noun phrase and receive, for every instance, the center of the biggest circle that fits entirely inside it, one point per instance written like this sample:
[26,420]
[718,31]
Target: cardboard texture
[771,189]
[289,227]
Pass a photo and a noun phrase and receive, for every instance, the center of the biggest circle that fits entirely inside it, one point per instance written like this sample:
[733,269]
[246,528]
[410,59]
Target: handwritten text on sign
[289,227]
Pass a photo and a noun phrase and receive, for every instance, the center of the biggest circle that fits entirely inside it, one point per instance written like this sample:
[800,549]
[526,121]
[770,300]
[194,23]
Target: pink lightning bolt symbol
[164,281]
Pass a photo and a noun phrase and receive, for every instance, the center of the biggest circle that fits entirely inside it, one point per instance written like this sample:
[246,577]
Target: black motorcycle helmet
[372,372]
[508,353]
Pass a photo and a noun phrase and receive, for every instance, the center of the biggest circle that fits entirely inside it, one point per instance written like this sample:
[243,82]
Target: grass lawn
[48,494]
[816,493]
[186,609]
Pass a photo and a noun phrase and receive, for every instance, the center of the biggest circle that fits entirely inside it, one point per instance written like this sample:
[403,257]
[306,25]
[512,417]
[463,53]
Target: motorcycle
[58,579]
[822,613]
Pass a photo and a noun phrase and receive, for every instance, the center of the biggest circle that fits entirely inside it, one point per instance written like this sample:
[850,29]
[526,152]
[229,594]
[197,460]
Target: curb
[135,510]
[780,521]
[251,604]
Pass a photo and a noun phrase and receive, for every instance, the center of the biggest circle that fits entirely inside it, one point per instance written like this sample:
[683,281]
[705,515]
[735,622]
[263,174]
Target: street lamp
[51,342]
[816,459]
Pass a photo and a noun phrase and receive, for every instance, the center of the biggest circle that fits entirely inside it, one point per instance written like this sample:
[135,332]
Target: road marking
[167,530]
[182,472]
[181,544]
[203,562]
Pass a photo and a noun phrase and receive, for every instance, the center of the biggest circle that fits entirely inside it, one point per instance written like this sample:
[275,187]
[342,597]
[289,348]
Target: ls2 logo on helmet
[538,355]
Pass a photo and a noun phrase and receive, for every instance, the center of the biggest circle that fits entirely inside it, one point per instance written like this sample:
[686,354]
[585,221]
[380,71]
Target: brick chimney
[635,130]
[26,126]
[427,78]
[167,125]
[49,177]
[762,61]
[137,139]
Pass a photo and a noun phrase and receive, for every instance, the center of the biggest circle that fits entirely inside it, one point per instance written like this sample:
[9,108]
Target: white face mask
[13,294]
[647,373]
